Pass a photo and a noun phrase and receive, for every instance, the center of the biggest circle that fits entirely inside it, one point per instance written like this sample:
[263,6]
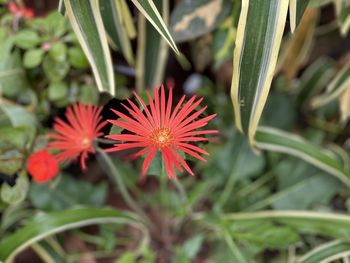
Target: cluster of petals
[163,128]
[20,11]
[75,136]
[42,166]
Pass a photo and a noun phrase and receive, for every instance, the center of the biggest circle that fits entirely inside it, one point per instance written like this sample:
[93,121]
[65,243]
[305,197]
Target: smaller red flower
[75,136]
[20,11]
[42,166]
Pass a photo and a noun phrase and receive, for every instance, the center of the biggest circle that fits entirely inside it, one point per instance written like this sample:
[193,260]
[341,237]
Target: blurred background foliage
[278,195]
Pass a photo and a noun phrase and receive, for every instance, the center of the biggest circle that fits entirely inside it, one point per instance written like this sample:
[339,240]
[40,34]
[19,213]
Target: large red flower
[75,136]
[42,166]
[162,129]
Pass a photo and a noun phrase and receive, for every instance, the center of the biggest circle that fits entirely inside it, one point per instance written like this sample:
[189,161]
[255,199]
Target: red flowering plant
[20,10]
[42,166]
[163,128]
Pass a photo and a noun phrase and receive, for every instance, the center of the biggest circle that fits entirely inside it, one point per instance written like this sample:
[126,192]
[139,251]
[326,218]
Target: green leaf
[27,39]
[319,223]
[16,193]
[191,19]
[12,76]
[113,22]
[58,51]
[260,30]
[334,89]
[326,252]
[56,24]
[77,57]
[127,257]
[55,70]
[86,20]
[276,140]
[296,11]
[152,51]
[45,225]
[18,116]
[314,78]
[57,90]
[149,10]
[33,57]
[65,194]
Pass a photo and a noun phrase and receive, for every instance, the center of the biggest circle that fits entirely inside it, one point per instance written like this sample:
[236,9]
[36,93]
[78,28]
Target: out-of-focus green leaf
[55,70]
[320,223]
[127,257]
[33,57]
[58,51]
[276,140]
[325,252]
[65,194]
[16,193]
[115,27]
[334,89]
[87,24]
[297,49]
[18,116]
[315,77]
[61,8]
[265,234]
[12,75]
[27,39]
[149,10]
[57,90]
[77,57]
[193,18]
[296,11]
[47,253]
[44,225]
[260,30]
[152,51]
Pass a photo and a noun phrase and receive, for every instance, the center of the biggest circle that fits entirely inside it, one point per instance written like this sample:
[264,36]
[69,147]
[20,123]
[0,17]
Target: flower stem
[113,172]
[228,189]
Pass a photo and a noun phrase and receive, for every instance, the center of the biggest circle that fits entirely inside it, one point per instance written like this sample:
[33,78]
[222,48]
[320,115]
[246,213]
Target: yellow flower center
[161,137]
[85,142]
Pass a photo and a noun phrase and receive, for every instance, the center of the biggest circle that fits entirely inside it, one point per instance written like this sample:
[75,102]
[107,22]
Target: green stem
[181,190]
[228,189]
[252,187]
[113,172]
[233,247]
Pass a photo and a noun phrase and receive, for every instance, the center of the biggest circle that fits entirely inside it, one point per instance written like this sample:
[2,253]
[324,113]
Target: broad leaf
[260,29]
[87,24]
[276,140]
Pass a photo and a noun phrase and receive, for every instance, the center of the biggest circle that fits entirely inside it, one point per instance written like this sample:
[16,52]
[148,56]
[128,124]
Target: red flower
[20,11]
[75,137]
[162,129]
[42,166]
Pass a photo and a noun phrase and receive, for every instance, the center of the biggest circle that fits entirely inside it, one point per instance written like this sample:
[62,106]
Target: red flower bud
[42,166]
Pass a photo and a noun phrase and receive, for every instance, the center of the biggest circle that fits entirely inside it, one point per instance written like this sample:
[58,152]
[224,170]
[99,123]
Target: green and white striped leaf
[279,141]
[326,252]
[258,40]
[314,78]
[112,14]
[335,88]
[152,51]
[45,225]
[342,9]
[296,11]
[149,10]
[87,24]
[193,18]
[61,8]
[319,223]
